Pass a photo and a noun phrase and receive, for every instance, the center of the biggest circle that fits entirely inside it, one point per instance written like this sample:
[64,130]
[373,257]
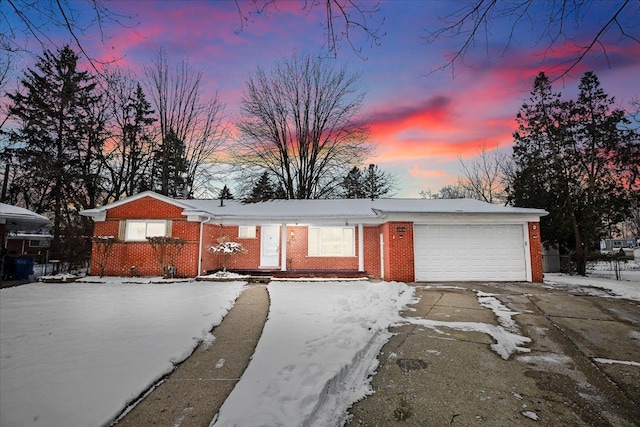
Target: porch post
[360,247]
[283,247]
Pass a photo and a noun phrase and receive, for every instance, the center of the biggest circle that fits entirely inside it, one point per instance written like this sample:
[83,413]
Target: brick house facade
[378,238]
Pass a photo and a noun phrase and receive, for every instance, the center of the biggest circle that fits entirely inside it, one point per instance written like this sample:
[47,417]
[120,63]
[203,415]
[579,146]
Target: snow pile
[619,362]
[504,315]
[77,354]
[227,275]
[506,334]
[317,350]
[623,264]
[227,247]
[618,288]
[506,343]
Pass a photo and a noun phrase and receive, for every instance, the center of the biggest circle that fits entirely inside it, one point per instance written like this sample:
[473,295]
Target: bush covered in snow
[225,248]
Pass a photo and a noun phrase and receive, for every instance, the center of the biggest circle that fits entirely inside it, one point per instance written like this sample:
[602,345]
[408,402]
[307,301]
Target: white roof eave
[277,219]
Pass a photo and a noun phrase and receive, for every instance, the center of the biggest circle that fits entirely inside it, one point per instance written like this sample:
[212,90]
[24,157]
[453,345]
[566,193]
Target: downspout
[360,247]
[200,245]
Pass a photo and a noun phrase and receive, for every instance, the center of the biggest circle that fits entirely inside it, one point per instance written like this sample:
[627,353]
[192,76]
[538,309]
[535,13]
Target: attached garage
[404,240]
[470,252]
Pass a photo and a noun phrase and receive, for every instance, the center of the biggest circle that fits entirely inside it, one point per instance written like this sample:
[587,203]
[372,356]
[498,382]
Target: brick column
[535,252]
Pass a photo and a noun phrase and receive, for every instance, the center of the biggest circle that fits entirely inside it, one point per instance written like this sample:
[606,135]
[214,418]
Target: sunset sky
[421,122]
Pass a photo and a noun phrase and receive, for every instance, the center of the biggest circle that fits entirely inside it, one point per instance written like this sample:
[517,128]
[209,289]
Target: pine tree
[376,183]
[352,184]
[170,167]
[60,140]
[578,160]
[262,190]
[225,194]
[370,182]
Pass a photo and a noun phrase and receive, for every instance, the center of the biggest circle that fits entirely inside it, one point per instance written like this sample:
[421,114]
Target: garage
[470,252]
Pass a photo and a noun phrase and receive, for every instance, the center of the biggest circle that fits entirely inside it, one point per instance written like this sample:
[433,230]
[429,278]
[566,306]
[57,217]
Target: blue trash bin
[23,267]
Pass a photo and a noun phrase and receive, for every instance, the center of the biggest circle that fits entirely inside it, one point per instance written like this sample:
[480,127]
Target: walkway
[194,392]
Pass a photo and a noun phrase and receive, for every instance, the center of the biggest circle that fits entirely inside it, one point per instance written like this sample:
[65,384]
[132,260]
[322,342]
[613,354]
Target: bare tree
[473,23]
[183,113]
[344,20]
[299,123]
[132,141]
[451,191]
[25,20]
[166,250]
[555,22]
[6,67]
[484,178]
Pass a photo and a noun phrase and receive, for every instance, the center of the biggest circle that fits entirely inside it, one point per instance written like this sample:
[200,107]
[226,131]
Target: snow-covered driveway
[76,354]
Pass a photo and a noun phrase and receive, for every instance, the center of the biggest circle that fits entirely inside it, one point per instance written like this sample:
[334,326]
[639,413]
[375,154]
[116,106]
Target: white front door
[269,246]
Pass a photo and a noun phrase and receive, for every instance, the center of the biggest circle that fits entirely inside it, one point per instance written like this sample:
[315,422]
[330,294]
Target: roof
[20,217]
[318,209]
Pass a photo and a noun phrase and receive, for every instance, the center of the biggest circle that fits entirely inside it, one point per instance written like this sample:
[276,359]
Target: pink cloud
[416,172]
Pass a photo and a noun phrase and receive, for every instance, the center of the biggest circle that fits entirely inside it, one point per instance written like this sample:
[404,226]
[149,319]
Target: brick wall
[125,255]
[212,261]
[535,251]
[145,208]
[372,250]
[398,251]
[297,251]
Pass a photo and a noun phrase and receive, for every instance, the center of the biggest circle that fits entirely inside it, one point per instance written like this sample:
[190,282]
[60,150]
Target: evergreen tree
[262,190]
[59,138]
[352,184]
[376,183]
[170,167]
[370,182]
[579,161]
[225,194]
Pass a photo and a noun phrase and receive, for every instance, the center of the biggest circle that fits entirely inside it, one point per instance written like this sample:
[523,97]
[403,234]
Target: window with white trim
[247,232]
[137,230]
[332,241]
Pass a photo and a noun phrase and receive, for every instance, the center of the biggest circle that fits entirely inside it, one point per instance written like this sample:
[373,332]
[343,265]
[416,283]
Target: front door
[269,246]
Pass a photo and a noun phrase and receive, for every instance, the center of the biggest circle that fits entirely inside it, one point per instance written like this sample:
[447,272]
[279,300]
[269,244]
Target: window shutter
[169,230]
[121,229]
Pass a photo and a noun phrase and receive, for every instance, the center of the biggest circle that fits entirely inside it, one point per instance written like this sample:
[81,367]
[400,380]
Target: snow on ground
[506,343]
[506,334]
[504,315]
[595,285]
[75,354]
[316,354]
[619,362]
[78,353]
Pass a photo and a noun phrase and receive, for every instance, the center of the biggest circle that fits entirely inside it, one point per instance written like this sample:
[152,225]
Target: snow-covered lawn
[77,353]
[316,354]
[598,286]
[74,354]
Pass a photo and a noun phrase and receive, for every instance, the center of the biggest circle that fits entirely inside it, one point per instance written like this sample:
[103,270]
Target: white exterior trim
[360,247]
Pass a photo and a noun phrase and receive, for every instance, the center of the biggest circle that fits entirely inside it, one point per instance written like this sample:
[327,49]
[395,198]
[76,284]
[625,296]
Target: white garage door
[469,252]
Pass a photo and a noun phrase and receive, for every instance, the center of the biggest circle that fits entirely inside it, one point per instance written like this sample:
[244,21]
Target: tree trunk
[581,248]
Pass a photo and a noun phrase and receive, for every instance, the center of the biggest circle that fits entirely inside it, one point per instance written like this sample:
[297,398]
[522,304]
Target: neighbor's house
[18,226]
[20,229]
[394,239]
